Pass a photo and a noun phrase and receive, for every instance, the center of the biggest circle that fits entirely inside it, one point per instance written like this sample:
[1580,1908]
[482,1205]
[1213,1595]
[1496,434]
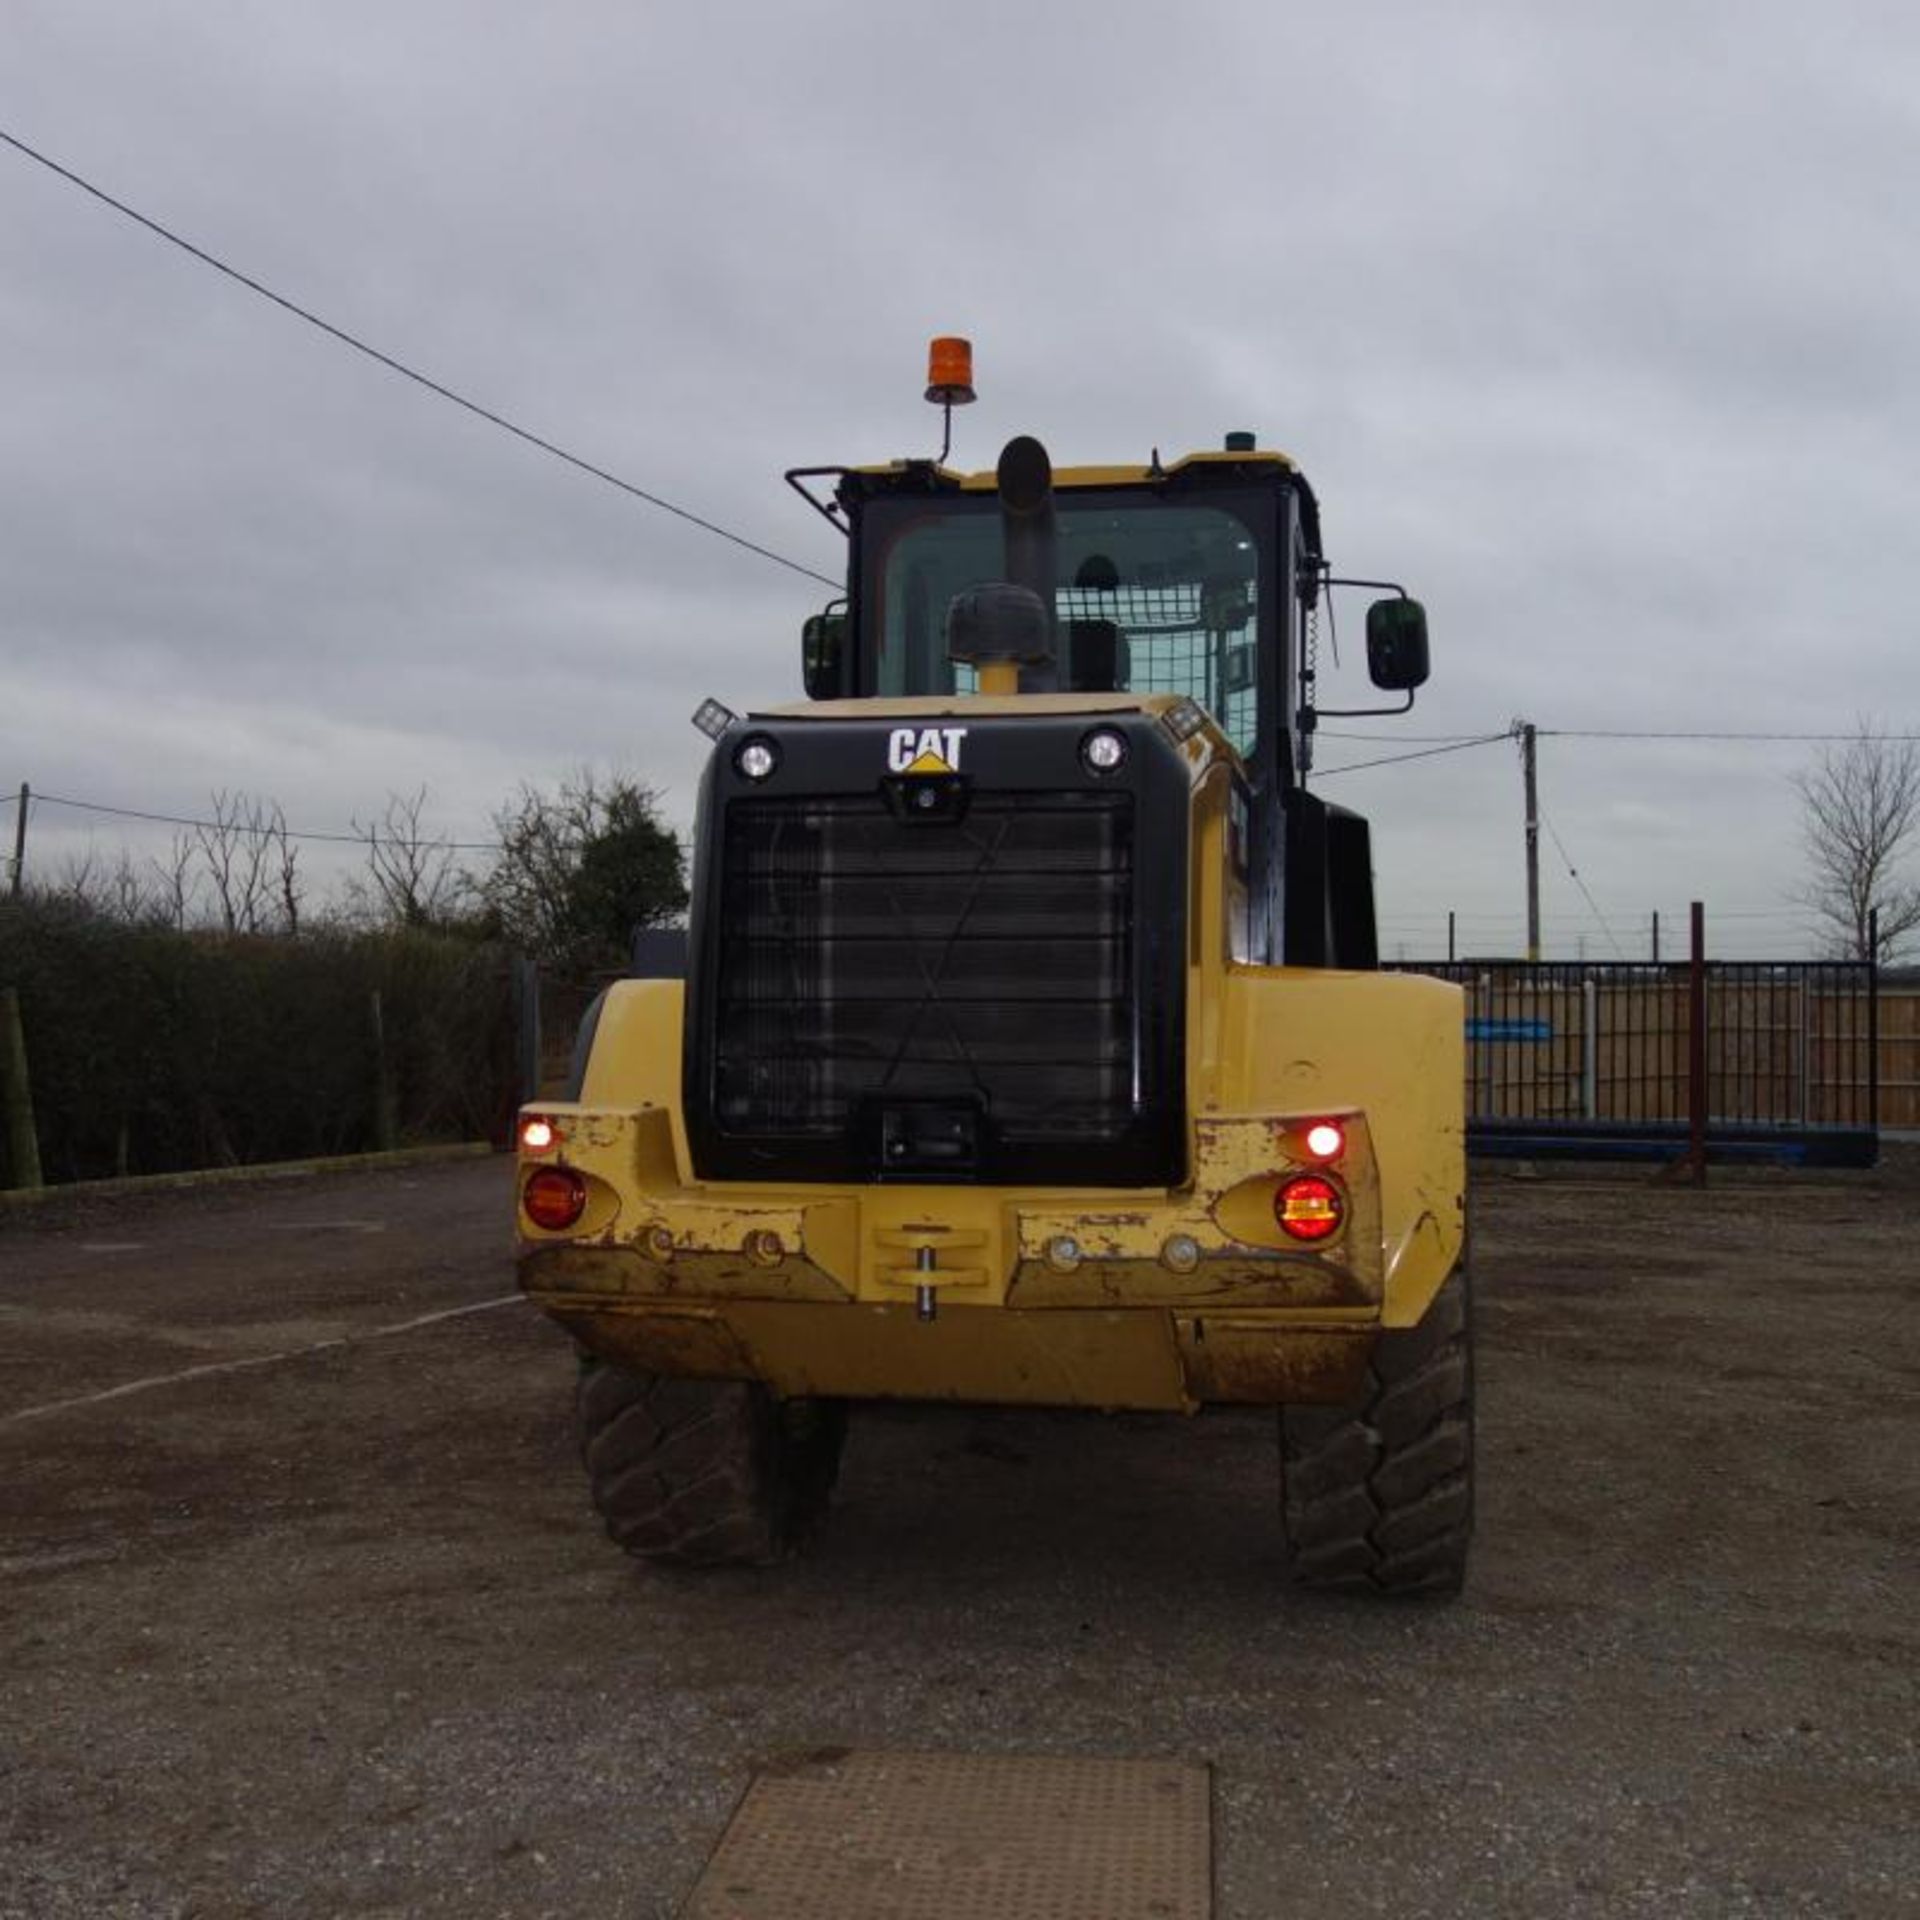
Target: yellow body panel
[1083,1296]
[1142,1298]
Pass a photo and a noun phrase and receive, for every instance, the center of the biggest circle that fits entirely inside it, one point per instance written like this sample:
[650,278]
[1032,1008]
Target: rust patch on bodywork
[1139,1359]
[693,1274]
[1256,1362]
[1226,1277]
[691,1343]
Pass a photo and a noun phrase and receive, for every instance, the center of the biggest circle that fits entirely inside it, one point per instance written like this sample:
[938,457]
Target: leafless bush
[411,877]
[110,889]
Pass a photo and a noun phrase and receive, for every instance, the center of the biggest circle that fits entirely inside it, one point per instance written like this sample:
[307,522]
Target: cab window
[1149,597]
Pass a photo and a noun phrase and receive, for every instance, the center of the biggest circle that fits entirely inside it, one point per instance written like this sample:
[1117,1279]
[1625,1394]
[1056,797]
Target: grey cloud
[1592,325]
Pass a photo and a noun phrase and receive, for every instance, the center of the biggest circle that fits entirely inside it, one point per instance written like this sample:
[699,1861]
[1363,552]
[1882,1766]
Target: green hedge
[152,1051]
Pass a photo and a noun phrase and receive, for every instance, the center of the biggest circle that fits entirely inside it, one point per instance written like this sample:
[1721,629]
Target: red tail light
[554,1198]
[1309,1207]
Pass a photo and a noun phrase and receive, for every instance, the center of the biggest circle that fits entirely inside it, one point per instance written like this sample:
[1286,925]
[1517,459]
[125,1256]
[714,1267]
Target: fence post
[1873,1022]
[16,1095]
[1590,1048]
[385,1099]
[1806,1047]
[1697,1047]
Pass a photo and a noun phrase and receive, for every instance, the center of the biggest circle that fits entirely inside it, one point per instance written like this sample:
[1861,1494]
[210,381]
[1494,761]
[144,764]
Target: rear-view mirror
[1397,644]
[823,646]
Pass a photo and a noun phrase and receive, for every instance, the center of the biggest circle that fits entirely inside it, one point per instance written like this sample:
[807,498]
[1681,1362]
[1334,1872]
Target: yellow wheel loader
[1027,1044]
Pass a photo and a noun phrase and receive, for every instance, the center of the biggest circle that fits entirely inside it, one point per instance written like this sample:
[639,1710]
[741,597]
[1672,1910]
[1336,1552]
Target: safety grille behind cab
[868,964]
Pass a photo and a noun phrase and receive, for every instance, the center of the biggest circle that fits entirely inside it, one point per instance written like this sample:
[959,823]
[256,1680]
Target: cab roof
[926,471]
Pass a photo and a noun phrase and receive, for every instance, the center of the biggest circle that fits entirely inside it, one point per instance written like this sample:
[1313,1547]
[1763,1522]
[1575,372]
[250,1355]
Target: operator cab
[1203,580]
[1159,581]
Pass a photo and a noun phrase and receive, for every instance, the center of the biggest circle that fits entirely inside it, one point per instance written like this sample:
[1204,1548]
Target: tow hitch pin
[923,1295]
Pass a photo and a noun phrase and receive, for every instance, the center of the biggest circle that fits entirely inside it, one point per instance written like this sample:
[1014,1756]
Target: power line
[1615,733]
[1425,753]
[1573,873]
[1625,733]
[274,831]
[406,372]
[1455,739]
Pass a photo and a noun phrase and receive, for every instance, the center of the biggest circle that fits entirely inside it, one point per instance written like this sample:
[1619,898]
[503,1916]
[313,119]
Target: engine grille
[867,961]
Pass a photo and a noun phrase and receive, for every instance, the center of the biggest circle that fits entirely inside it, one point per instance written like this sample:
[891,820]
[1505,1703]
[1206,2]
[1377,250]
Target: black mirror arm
[1330,580]
[1379,586]
[1362,713]
[828,510]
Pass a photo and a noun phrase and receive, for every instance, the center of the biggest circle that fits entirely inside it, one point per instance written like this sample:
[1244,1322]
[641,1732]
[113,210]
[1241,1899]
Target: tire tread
[703,1473]
[1377,1495]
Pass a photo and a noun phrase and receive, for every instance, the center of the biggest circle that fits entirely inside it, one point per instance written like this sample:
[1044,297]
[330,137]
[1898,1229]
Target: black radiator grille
[987,961]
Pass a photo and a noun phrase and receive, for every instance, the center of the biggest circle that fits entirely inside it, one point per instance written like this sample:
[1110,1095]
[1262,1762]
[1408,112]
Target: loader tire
[1377,1495]
[705,1473]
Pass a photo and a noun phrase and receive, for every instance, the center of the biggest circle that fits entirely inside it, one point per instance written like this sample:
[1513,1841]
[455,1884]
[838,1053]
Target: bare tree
[233,848]
[124,895]
[174,884]
[1861,805]
[413,879]
[285,852]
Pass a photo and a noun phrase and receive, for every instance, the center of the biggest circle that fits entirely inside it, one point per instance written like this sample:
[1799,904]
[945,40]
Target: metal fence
[1601,1061]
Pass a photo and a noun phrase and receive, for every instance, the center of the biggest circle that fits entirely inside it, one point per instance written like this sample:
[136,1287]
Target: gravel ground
[336,1634]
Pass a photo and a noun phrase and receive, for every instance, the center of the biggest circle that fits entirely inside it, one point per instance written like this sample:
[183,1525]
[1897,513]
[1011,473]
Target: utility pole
[20,840]
[1533,840]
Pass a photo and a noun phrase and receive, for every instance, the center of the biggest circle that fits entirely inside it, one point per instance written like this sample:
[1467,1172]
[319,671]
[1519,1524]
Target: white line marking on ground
[113,1246]
[257,1360]
[325,1226]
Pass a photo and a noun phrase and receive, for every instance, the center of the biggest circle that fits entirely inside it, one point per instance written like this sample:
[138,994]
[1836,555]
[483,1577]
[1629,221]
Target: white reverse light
[756,758]
[1103,750]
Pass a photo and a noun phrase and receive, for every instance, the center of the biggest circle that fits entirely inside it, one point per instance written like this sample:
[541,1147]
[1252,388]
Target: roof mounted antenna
[949,382]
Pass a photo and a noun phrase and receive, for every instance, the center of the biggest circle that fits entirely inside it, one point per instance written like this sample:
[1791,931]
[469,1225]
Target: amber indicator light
[554,1198]
[1308,1207]
[1326,1140]
[537,1135]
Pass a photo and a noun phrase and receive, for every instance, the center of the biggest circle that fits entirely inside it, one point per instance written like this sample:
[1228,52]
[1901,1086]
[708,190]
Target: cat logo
[924,749]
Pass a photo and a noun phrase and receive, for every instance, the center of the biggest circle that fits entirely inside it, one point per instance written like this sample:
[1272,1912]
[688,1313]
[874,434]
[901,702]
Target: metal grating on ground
[842,1835]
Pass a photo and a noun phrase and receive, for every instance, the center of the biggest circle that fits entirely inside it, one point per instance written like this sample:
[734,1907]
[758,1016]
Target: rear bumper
[1076,1298]
[1121,1357]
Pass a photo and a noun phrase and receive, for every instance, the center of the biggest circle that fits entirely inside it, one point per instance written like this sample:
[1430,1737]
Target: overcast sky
[1597,326]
